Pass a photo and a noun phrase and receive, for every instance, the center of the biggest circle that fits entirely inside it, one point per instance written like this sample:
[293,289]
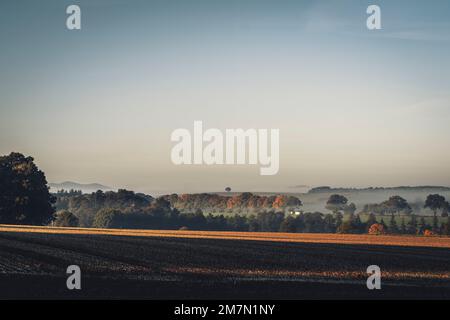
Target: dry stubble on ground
[159,264]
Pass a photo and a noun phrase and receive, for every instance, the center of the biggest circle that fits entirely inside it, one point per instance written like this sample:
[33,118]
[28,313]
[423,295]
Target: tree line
[163,217]
[245,202]
[125,209]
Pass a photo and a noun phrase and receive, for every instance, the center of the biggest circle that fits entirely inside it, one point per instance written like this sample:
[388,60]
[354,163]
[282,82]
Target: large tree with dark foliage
[435,202]
[397,204]
[336,203]
[24,195]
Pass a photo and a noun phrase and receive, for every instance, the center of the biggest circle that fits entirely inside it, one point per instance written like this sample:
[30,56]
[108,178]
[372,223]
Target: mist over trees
[394,205]
[125,209]
[337,203]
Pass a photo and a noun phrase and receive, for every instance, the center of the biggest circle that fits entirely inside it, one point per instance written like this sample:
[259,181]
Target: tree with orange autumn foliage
[377,229]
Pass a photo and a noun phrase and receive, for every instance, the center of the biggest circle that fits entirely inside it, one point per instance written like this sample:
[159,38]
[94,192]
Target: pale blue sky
[354,107]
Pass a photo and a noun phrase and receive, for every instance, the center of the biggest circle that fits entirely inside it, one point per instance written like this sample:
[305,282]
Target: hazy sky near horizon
[354,107]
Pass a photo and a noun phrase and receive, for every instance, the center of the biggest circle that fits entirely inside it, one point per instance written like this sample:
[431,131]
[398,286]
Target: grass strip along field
[159,264]
[389,240]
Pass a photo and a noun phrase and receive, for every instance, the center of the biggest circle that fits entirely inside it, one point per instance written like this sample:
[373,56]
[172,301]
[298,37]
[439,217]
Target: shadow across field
[49,287]
[33,265]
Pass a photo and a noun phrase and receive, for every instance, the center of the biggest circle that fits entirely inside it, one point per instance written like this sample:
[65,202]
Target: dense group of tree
[241,203]
[162,216]
[129,210]
[413,226]
[86,206]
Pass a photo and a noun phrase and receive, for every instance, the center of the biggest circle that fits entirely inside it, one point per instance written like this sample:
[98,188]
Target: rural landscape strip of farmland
[158,263]
[385,240]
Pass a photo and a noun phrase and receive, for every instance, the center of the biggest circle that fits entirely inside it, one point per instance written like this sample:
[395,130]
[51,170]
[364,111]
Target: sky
[355,107]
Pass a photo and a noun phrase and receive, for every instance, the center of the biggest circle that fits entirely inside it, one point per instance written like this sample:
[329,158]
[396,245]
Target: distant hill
[401,188]
[85,188]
